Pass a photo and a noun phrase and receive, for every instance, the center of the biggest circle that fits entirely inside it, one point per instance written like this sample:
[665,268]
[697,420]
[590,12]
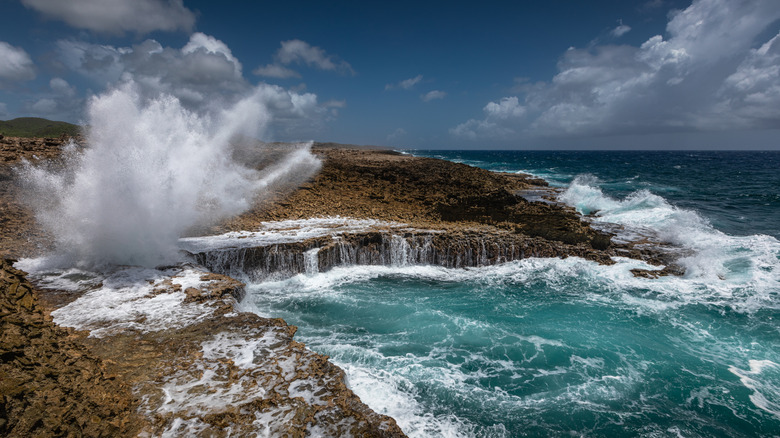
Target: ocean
[567,347]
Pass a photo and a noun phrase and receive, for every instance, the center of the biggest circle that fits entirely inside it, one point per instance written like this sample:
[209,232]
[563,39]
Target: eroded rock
[50,383]
[198,367]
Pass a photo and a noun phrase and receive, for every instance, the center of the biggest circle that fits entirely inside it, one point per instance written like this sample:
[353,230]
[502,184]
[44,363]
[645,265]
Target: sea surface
[567,347]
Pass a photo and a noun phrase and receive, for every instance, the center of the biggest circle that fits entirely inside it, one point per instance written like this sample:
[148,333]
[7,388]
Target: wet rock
[452,248]
[671,269]
[50,384]
[217,372]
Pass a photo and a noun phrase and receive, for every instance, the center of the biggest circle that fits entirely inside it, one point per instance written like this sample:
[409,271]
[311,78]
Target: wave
[730,264]
[440,351]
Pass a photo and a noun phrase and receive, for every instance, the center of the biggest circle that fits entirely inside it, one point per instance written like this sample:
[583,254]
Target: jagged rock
[216,373]
[50,384]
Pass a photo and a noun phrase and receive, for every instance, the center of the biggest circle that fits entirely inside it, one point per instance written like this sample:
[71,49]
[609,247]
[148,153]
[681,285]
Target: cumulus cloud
[59,102]
[406,84]
[16,64]
[433,95]
[276,71]
[302,53]
[703,76]
[117,16]
[497,114]
[201,71]
[200,42]
[61,87]
[752,93]
[204,75]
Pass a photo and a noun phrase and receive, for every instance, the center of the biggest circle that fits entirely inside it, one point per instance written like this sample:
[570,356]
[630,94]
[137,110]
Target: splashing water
[151,170]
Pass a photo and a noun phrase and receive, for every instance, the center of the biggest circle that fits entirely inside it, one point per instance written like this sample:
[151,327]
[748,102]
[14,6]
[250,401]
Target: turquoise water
[566,347]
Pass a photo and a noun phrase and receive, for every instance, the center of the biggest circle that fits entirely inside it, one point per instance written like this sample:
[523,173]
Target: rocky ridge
[424,193]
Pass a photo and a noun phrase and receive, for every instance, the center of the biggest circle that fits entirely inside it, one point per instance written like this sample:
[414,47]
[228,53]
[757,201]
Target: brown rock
[51,385]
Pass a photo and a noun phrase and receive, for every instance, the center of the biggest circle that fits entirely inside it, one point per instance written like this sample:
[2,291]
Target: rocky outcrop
[451,249]
[15,149]
[50,383]
[211,371]
[422,192]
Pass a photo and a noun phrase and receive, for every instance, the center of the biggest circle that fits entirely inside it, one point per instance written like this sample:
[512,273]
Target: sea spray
[150,171]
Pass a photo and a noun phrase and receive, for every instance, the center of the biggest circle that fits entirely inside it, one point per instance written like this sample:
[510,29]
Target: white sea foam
[121,298]
[388,383]
[747,292]
[743,271]
[287,231]
[763,378]
[151,169]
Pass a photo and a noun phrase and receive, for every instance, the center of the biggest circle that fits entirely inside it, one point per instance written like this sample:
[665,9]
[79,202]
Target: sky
[558,74]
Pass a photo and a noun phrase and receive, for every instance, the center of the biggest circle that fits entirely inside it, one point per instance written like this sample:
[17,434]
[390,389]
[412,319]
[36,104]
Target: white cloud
[118,16]
[204,75]
[301,52]
[406,84]
[208,44]
[752,93]
[16,64]
[276,71]
[433,95]
[200,74]
[44,106]
[3,110]
[497,114]
[621,30]
[506,108]
[334,106]
[703,76]
[61,102]
[61,87]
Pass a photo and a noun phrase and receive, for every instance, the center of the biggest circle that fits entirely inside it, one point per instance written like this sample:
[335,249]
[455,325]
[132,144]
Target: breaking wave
[149,171]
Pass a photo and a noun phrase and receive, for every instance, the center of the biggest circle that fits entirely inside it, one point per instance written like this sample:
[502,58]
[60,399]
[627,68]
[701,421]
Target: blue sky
[597,74]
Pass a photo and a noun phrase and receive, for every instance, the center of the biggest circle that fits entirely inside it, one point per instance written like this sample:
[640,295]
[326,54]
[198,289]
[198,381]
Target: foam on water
[432,368]
[150,170]
[763,378]
[121,298]
[742,268]
[287,231]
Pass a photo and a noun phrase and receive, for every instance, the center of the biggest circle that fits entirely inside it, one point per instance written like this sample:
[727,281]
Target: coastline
[462,206]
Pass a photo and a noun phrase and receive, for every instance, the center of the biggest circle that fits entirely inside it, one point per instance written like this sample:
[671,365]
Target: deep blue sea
[567,347]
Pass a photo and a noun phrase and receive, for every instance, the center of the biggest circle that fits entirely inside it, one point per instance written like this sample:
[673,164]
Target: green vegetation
[36,127]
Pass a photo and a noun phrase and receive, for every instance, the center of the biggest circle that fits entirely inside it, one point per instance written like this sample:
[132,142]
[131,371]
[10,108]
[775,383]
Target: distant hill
[37,127]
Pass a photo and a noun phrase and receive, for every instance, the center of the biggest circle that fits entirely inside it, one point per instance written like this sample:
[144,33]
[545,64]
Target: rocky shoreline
[150,379]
